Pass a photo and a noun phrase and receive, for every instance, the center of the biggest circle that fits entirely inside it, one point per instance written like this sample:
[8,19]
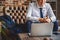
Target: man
[40,12]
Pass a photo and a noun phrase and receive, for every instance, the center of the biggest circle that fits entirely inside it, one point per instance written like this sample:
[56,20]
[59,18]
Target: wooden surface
[24,36]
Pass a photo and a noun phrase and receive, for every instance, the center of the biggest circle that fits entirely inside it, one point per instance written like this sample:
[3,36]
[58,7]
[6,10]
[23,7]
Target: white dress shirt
[33,12]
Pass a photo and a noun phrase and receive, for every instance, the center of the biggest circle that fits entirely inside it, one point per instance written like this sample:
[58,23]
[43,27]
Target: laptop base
[40,35]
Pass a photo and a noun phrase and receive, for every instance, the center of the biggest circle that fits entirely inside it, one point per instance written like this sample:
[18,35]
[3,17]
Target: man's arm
[29,13]
[51,14]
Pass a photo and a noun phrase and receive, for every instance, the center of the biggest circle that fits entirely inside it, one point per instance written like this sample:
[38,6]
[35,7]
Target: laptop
[41,29]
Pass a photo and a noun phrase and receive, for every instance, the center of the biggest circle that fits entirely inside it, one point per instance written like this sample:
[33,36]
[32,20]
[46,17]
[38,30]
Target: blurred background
[18,13]
[54,3]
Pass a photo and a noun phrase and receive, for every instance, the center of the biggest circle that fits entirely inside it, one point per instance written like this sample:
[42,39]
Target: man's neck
[40,6]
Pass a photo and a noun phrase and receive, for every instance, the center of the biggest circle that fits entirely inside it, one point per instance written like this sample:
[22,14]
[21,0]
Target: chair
[18,16]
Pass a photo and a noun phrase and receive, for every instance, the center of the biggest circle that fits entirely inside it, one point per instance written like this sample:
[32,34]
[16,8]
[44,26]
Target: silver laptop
[41,29]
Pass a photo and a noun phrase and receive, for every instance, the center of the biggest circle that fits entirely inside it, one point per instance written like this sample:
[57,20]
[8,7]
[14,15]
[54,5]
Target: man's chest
[37,12]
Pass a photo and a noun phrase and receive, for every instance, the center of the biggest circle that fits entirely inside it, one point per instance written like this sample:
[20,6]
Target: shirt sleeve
[51,14]
[29,13]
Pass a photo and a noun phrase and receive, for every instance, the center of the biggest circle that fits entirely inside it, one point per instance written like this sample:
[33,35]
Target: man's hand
[48,20]
[44,20]
[41,20]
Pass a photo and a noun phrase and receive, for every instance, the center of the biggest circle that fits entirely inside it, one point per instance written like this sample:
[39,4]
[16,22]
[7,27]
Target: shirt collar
[40,7]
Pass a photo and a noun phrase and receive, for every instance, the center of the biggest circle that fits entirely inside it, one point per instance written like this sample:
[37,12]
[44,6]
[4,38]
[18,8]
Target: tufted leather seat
[17,13]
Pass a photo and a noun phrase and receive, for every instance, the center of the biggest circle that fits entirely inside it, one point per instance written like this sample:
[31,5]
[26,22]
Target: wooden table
[24,36]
